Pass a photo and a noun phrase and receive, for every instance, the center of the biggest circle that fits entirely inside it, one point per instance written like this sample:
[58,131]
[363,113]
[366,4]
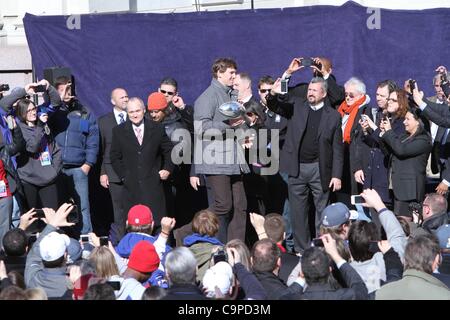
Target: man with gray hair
[312,154]
[181,271]
[140,155]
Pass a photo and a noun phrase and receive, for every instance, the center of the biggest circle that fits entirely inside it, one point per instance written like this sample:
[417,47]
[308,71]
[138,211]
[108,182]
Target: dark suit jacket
[438,113]
[329,134]
[408,164]
[138,165]
[106,124]
[441,151]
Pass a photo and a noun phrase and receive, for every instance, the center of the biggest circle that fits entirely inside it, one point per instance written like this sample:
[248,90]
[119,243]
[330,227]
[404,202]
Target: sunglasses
[350,95]
[264,90]
[170,93]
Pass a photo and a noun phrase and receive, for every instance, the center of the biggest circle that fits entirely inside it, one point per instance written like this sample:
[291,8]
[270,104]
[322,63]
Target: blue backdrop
[135,51]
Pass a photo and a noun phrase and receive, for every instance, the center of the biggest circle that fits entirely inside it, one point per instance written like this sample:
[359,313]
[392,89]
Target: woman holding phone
[408,161]
[40,163]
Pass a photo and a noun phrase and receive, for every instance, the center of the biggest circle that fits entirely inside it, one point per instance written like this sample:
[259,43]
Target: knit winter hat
[156,101]
[143,257]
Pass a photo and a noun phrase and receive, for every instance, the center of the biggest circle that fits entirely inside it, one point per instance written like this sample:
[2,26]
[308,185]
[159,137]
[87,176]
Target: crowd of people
[347,215]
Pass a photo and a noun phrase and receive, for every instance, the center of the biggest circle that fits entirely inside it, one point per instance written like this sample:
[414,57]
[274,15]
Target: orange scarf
[352,111]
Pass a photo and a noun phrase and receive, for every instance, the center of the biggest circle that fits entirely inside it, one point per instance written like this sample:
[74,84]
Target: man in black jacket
[312,154]
[108,177]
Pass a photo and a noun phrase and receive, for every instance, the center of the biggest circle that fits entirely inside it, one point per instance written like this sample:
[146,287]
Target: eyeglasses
[350,95]
[264,90]
[31,110]
[392,100]
[170,93]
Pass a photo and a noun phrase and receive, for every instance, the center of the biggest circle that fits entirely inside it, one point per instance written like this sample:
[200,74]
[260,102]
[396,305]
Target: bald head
[119,99]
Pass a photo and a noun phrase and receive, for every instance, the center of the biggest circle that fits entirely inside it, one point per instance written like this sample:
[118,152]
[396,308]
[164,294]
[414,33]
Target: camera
[415,208]
[39,213]
[114,284]
[39,88]
[84,238]
[220,255]
[104,241]
[317,242]
[4,87]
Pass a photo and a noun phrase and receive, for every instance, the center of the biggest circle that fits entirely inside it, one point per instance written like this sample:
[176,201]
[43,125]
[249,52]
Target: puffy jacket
[76,132]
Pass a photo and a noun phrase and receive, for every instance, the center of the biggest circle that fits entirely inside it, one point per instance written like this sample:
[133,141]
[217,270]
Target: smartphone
[357,199]
[307,62]
[39,213]
[284,86]
[373,247]
[39,88]
[114,284]
[412,85]
[317,242]
[104,241]
[84,238]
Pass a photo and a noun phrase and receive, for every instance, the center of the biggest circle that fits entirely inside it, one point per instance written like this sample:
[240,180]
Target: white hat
[53,246]
[220,275]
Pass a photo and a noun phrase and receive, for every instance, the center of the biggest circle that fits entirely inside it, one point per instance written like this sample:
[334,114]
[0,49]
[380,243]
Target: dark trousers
[41,197]
[120,216]
[308,180]
[230,205]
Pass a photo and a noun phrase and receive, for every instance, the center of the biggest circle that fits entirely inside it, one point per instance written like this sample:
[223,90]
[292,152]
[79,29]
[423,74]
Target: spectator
[76,133]
[244,254]
[434,214]
[36,294]
[316,272]
[218,281]
[422,257]
[336,220]
[143,261]
[15,244]
[40,163]
[99,291]
[409,159]
[181,269]
[46,262]
[203,241]
[16,279]
[266,265]
[13,293]
[272,227]
[140,227]
[443,235]
[154,293]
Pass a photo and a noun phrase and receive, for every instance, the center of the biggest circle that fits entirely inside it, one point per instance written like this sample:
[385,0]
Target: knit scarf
[352,111]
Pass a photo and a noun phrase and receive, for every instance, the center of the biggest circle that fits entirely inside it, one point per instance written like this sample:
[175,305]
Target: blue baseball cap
[335,214]
[443,234]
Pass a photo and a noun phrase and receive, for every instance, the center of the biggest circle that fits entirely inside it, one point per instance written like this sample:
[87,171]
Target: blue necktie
[122,120]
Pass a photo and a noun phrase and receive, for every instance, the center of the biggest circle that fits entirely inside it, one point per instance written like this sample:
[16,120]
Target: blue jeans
[77,182]
[287,217]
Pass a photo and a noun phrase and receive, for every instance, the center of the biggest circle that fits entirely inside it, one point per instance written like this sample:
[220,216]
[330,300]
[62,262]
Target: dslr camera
[220,255]
[309,62]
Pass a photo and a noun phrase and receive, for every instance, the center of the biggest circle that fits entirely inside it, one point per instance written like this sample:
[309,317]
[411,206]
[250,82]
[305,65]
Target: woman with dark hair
[40,163]
[407,166]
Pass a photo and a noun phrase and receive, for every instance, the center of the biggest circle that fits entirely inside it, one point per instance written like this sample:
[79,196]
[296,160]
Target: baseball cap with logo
[140,215]
[335,214]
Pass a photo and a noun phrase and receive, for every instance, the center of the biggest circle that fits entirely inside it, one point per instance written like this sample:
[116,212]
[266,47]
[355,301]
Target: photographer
[11,143]
[434,214]
[39,165]
[76,133]
[410,153]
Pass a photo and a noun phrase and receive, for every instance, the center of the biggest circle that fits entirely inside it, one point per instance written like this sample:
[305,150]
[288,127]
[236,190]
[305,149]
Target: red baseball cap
[140,215]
